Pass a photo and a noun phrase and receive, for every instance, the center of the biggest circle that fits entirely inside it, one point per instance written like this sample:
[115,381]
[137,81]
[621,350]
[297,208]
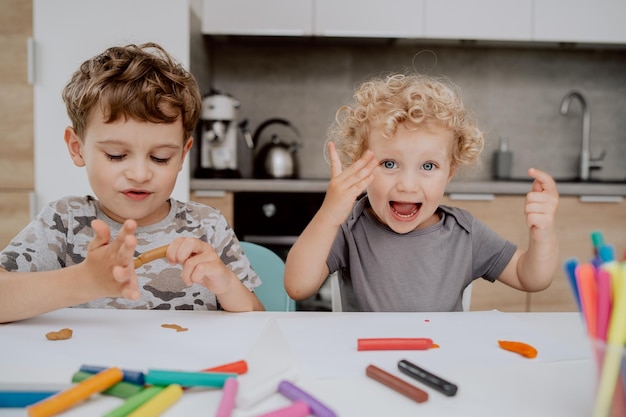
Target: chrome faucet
[587,163]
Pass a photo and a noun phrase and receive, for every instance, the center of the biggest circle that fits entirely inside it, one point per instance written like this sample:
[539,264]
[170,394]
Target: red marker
[395,343]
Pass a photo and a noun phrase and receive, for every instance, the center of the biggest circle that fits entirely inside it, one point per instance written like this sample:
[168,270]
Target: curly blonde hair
[389,101]
[141,82]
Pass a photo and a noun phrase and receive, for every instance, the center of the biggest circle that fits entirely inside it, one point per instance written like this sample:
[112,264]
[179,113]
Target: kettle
[276,159]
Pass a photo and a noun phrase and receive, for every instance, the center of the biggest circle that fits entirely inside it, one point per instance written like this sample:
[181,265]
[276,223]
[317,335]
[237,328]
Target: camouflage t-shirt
[59,236]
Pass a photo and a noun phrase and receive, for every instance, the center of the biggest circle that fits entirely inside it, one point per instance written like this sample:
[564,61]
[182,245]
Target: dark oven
[275,220]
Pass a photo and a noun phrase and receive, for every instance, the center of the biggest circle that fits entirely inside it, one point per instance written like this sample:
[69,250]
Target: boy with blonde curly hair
[133,111]
[397,249]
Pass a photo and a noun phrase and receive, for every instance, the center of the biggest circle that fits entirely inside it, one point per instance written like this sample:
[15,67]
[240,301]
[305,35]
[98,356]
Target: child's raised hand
[111,263]
[541,204]
[201,264]
[345,186]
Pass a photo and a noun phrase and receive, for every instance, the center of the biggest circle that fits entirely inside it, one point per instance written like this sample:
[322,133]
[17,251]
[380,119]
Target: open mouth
[405,210]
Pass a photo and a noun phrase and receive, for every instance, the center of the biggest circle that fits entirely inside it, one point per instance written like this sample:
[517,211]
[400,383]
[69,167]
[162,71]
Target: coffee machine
[217,137]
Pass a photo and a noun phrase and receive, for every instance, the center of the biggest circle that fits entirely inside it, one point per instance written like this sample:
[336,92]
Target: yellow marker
[79,392]
[614,351]
[159,403]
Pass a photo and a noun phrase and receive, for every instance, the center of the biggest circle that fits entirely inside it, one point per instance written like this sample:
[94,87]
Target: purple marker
[294,393]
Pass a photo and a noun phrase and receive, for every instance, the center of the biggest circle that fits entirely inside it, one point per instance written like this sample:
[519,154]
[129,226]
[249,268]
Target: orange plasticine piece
[522,348]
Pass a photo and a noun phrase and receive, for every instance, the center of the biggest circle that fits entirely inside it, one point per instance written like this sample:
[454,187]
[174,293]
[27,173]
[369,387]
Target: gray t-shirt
[423,270]
[59,236]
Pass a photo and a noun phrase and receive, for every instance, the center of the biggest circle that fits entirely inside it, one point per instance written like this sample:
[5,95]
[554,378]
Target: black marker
[422,375]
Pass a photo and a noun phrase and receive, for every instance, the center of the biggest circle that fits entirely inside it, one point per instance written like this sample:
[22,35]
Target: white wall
[66,33]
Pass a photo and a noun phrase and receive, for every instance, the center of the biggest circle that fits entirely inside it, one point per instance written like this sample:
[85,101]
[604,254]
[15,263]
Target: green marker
[134,402]
[188,379]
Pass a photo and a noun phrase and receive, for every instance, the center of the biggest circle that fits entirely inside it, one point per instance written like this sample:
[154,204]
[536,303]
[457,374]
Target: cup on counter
[610,395]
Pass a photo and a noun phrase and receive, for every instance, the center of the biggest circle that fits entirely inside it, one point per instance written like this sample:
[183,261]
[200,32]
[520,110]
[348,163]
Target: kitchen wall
[514,92]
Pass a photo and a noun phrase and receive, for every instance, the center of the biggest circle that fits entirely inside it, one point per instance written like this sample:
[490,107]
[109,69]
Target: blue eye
[388,164]
[428,166]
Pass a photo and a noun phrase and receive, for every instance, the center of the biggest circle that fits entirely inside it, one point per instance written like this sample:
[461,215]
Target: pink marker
[604,302]
[296,409]
[227,403]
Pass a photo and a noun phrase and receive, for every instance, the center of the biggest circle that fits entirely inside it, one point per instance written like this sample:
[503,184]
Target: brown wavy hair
[141,82]
[389,101]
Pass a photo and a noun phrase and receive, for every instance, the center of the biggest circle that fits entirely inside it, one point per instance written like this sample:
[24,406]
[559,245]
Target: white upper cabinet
[507,20]
[585,21]
[258,17]
[358,18]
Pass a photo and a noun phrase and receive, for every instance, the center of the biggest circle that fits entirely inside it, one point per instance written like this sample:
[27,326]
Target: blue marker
[20,396]
[570,270]
[134,377]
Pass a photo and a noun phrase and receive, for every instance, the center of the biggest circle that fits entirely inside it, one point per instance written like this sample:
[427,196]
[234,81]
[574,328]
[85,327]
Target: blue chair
[271,269]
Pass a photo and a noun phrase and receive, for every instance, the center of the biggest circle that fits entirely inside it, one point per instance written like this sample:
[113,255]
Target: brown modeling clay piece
[60,335]
[175,327]
[151,255]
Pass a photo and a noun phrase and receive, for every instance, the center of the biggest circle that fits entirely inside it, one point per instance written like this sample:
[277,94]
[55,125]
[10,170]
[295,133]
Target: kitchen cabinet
[221,200]
[383,19]
[267,17]
[509,20]
[16,116]
[66,33]
[585,21]
[575,222]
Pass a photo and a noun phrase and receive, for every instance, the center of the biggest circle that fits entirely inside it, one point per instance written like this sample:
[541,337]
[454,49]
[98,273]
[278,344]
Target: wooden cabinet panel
[576,221]
[221,200]
[14,214]
[16,97]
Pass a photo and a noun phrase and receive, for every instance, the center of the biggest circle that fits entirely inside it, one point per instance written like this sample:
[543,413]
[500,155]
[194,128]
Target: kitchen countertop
[587,189]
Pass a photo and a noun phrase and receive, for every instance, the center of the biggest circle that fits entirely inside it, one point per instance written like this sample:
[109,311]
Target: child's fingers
[543,181]
[335,161]
[102,234]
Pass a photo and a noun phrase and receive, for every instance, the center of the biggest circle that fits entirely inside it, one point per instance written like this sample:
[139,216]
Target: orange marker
[239,367]
[79,392]
[588,290]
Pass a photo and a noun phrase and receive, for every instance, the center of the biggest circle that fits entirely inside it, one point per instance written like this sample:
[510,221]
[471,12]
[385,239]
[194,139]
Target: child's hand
[345,186]
[541,205]
[112,263]
[201,264]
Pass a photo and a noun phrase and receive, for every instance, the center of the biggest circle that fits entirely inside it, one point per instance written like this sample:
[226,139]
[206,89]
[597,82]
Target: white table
[492,382]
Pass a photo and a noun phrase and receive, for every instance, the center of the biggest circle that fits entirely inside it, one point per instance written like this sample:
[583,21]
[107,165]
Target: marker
[296,409]
[120,390]
[79,392]
[23,395]
[396,384]
[395,343]
[588,290]
[238,367]
[134,377]
[604,302]
[570,270]
[432,380]
[159,403]
[187,379]
[294,393]
[134,402]
[227,403]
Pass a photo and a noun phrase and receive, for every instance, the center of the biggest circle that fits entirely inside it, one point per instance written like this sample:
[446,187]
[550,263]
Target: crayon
[134,377]
[296,409]
[227,402]
[428,378]
[396,384]
[120,390]
[294,393]
[134,402]
[79,392]
[159,403]
[238,367]
[23,395]
[187,379]
[395,343]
